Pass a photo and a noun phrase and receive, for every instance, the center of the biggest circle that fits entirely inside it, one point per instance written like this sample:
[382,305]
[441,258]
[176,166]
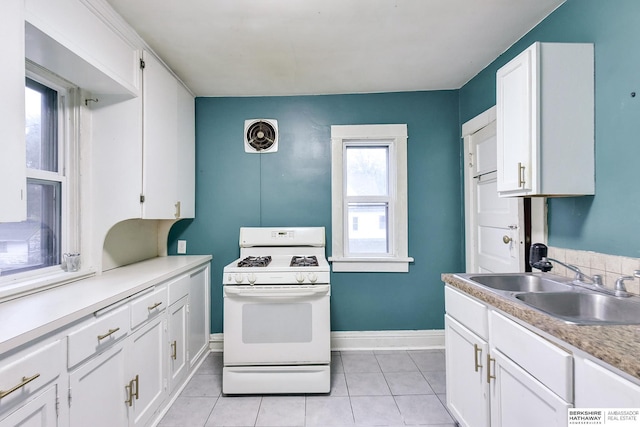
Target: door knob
[506,239]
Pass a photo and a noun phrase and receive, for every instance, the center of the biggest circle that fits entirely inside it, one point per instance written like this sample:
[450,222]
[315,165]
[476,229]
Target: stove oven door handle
[275,293]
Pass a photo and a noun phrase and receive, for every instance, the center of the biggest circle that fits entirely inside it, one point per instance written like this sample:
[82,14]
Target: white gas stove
[276,313]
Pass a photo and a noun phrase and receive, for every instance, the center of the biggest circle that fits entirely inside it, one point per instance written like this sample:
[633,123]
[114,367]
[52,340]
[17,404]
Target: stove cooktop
[277,269]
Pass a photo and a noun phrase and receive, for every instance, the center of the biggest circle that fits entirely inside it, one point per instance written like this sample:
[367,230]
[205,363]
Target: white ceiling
[301,47]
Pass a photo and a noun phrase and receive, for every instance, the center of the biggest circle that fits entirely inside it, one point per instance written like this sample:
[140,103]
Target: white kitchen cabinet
[545,121]
[125,383]
[199,314]
[97,390]
[467,388]
[39,412]
[147,363]
[85,42]
[178,363]
[168,144]
[518,399]
[597,386]
[34,374]
[498,372]
[12,119]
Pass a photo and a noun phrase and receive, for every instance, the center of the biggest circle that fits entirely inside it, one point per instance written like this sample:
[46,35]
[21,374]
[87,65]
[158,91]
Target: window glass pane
[368,233]
[34,243]
[367,171]
[41,127]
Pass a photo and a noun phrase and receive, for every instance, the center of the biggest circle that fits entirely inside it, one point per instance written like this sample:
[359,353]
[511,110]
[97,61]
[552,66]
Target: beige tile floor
[368,388]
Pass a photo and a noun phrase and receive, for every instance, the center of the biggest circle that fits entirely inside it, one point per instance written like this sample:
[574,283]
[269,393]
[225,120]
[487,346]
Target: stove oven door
[276,325]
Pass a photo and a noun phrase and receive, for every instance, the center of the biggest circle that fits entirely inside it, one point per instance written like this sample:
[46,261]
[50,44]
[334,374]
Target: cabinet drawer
[148,306]
[98,333]
[597,386]
[30,370]
[471,313]
[548,363]
[178,289]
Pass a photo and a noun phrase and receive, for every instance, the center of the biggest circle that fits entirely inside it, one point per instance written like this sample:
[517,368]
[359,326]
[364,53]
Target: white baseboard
[387,340]
[371,340]
[215,342]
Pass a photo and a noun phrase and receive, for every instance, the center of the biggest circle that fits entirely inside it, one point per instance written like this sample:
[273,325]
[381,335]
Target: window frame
[68,175]
[394,136]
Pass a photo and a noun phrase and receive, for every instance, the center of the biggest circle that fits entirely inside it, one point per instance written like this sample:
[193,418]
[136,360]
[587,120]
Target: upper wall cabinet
[85,42]
[12,141]
[168,145]
[545,118]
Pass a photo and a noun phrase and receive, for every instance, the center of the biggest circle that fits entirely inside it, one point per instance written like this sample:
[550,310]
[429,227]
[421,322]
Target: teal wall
[608,222]
[293,188]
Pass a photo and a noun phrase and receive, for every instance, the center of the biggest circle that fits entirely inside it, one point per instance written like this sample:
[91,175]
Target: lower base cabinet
[118,367]
[518,399]
[97,391]
[500,374]
[467,386]
[178,363]
[147,361]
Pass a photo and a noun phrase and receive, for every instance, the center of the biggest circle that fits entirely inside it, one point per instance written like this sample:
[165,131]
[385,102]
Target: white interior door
[494,225]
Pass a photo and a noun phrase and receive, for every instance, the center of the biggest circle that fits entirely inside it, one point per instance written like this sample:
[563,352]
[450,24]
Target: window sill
[12,288]
[370,264]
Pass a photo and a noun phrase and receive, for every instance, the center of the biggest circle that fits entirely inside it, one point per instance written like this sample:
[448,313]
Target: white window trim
[20,284]
[398,260]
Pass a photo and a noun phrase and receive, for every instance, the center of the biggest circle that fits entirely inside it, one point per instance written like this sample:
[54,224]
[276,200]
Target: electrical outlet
[182,246]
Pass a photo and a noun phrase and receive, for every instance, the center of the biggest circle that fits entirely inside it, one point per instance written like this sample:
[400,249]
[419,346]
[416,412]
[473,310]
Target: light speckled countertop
[617,345]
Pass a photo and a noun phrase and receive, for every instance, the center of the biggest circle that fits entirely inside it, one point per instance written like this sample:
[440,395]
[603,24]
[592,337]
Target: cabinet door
[169,144]
[186,154]
[39,412]
[516,119]
[518,399]
[97,391]
[147,362]
[72,39]
[467,387]
[198,314]
[12,114]
[178,366]
[160,100]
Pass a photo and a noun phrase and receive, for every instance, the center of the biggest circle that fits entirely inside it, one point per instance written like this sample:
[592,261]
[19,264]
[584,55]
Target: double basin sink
[561,298]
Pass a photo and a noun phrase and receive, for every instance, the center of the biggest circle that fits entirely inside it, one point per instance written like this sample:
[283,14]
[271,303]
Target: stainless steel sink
[520,283]
[587,308]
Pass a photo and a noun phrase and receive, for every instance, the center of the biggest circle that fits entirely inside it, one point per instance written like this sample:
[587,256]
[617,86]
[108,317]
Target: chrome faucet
[538,259]
[596,279]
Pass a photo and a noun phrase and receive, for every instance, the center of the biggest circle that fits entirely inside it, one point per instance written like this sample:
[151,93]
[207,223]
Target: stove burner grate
[304,261]
[255,261]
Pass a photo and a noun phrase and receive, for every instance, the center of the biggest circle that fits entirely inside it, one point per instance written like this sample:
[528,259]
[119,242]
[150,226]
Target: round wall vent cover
[261,136]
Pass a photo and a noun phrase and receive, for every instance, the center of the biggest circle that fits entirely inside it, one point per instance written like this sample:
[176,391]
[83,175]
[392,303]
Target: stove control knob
[299,277]
[239,278]
[313,277]
[252,278]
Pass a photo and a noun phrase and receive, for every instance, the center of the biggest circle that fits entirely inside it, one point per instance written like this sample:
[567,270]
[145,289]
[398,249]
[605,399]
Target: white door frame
[538,204]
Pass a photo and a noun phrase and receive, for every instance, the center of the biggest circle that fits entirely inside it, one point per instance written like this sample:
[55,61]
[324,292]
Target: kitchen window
[33,248]
[369,198]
